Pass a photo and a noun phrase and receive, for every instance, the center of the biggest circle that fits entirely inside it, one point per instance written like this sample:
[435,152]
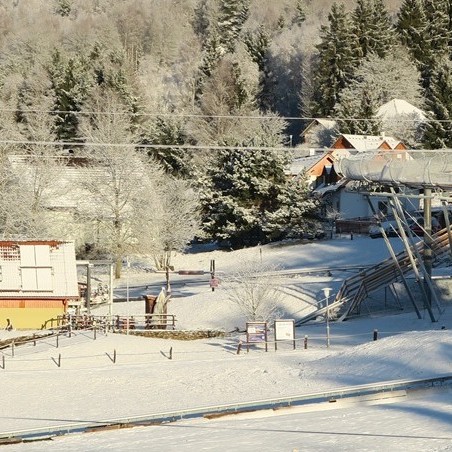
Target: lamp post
[327,291]
[127,293]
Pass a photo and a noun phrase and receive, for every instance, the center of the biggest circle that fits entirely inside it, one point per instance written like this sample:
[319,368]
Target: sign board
[285,331]
[256,332]
[214,282]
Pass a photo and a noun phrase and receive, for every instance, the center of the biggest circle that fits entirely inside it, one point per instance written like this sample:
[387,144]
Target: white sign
[284,330]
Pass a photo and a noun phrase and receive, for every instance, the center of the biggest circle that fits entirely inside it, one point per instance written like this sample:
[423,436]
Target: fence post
[305,342]
[114,356]
[57,340]
[12,348]
[239,347]
[375,335]
[3,361]
[171,353]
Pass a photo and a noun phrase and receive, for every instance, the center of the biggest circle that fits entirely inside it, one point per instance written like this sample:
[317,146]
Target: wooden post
[239,347]
[375,335]
[171,353]
[305,342]
[57,340]
[12,348]
[212,273]
[114,356]
[34,341]
[3,361]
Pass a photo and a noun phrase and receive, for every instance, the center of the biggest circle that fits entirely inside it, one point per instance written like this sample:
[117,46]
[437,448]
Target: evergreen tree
[231,17]
[168,130]
[63,7]
[438,130]
[246,198]
[383,29]
[71,84]
[212,53]
[201,20]
[301,12]
[413,29]
[338,57]
[257,44]
[373,28]
[297,213]
[362,18]
[439,25]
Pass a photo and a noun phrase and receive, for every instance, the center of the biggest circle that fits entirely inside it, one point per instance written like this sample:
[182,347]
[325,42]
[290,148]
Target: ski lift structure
[391,174]
[431,173]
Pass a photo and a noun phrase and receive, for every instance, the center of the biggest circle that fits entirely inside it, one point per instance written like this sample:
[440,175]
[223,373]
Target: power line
[436,152]
[145,146]
[202,116]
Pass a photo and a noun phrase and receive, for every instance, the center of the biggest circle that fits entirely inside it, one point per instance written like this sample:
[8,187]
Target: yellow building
[37,281]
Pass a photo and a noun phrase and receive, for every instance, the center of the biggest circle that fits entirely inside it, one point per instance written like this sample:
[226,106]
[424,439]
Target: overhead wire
[400,118]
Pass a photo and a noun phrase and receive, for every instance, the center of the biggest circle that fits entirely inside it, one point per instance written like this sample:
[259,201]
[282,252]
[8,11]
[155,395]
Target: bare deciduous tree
[254,289]
[132,205]
[171,223]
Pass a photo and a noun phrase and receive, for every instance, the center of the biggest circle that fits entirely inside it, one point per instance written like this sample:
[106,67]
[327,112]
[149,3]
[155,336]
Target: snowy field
[88,387]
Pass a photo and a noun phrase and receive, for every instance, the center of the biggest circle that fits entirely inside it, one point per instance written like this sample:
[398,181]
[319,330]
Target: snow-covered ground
[88,387]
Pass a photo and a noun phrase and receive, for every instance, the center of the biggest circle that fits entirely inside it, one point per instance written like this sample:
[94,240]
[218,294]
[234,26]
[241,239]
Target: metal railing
[388,387]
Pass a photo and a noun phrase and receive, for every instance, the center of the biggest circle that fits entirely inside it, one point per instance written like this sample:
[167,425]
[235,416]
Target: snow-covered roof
[370,142]
[397,107]
[323,189]
[303,163]
[326,123]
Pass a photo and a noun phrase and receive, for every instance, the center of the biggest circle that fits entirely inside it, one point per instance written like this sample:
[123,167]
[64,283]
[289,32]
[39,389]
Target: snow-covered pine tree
[438,131]
[413,29]
[382,29]
[362,18]
[297,212]
[231,17]
[168,130]
[338,57]
[257,43]
[439,25]
[239,188]
[301,12]
[70,84]
[201,20]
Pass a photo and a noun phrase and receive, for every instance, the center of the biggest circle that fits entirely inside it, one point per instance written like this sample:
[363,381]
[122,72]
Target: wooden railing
[112,323]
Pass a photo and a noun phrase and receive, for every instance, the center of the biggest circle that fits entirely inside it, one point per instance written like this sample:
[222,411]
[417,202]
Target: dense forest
[216,92]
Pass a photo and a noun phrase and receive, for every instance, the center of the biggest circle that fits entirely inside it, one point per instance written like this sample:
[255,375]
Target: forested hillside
[215,92]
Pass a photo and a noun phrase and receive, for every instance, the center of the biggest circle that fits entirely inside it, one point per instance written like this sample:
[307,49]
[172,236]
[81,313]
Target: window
[35,267]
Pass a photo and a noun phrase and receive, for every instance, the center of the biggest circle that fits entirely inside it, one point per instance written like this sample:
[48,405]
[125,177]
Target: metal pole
[428,239]
[127,294]
[110,295]
[88,289]
[327,291]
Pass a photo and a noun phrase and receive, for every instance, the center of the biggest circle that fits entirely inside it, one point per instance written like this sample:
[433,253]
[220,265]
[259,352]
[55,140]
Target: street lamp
[327,291]
[127,293]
